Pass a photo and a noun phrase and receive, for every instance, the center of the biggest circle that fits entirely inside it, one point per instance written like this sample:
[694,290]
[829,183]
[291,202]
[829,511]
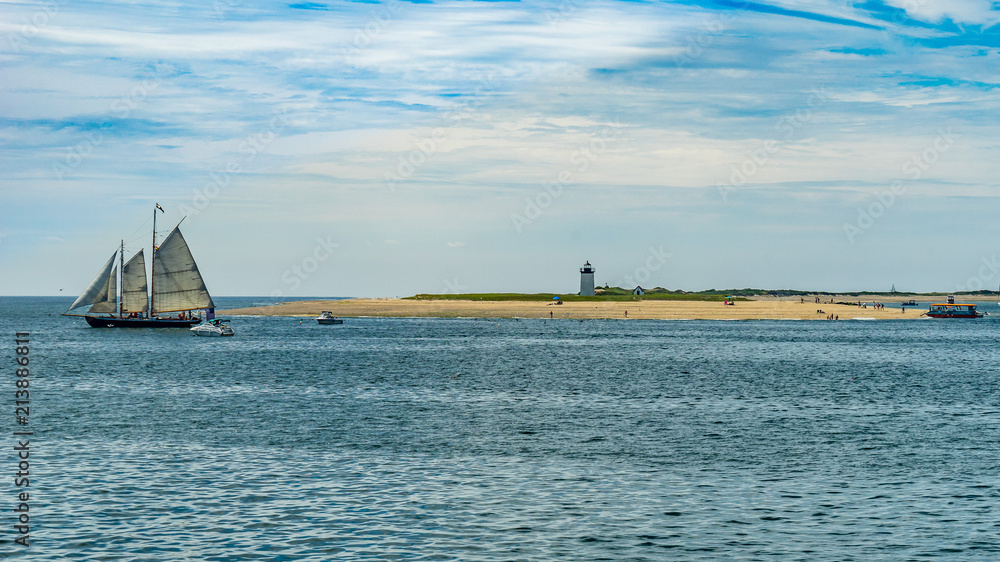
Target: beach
[763,309]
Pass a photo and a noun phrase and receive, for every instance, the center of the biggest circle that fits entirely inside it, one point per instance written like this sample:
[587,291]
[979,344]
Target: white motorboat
[327,317]
[215,328]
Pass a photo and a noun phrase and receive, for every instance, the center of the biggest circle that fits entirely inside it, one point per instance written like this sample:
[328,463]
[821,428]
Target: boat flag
[209,314]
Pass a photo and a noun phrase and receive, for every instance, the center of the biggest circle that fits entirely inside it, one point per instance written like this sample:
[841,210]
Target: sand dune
[637,310]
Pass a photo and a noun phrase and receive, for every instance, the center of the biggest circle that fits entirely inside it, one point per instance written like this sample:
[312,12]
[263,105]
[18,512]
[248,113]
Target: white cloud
[976,12]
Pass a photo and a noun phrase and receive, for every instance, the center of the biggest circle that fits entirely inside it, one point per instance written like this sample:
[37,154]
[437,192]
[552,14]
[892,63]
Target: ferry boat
[953,310]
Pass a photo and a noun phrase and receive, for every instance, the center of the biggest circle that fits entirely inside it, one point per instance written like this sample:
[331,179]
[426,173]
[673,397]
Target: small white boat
[327,317]
[215,328]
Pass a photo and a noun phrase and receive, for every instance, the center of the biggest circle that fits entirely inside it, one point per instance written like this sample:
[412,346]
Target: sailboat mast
[152,272]
[121,279]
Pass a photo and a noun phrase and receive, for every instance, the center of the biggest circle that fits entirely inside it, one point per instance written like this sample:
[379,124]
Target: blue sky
[385,149]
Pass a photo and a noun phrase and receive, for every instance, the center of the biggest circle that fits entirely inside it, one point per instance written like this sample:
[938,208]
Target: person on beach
[550,314]
[626,314]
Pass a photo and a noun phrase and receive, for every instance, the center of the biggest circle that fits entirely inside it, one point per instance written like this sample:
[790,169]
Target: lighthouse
[587,280]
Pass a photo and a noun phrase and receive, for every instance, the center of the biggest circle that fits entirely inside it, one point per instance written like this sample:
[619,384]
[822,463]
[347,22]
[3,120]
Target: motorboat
[213,328]
[327,317]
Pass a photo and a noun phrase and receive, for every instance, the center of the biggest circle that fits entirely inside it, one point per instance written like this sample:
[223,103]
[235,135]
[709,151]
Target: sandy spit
[636,310]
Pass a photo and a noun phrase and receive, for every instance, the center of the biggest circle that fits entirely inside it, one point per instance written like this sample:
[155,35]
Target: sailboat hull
[111,322]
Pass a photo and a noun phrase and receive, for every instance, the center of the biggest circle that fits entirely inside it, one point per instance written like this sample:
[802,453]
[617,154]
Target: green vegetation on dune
[607,295]
[795,293]
[659,293]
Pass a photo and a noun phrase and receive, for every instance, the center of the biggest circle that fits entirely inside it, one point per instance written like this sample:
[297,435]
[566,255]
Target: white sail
[97,291]
[110,302]
[134,289]
[177,283]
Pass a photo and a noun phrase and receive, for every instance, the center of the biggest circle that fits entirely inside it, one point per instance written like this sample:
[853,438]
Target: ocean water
[461,439]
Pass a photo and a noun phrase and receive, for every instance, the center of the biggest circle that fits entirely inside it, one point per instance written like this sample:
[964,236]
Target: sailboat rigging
[176,286]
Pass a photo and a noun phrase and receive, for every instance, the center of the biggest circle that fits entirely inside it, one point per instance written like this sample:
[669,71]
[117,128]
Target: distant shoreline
[773,308]
[712,295]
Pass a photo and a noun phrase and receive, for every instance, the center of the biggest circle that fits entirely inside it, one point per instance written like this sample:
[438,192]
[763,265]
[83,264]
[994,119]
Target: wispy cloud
[975,12]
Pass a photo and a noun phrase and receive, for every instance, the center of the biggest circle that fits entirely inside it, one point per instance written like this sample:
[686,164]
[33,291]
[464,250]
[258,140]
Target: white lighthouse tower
[587,280]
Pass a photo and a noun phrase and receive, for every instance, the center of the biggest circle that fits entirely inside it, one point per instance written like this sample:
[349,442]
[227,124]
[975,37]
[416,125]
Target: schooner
[176,288]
